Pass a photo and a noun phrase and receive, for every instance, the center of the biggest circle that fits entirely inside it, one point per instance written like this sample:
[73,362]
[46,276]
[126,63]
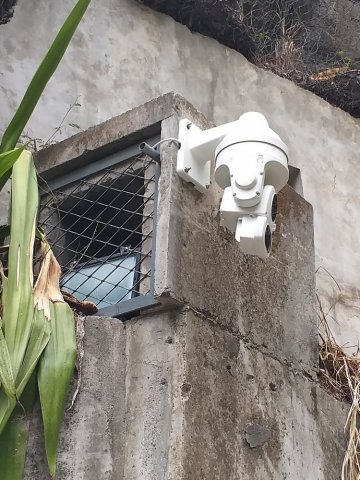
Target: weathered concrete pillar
[93,434]
[218,382]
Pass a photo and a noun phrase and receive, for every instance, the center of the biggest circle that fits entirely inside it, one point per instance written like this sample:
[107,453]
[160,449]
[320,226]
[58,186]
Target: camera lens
[268,239]
[274,208]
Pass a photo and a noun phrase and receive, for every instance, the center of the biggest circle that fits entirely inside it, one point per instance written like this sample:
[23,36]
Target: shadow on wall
[295,180]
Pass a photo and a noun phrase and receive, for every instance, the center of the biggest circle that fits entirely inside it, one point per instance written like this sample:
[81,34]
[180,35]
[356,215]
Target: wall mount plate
[189,167]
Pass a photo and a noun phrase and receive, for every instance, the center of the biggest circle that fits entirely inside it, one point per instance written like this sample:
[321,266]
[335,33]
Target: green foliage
[7,160]
[345,59]
[263,36]
[55,373]
[13,440]
[37,327]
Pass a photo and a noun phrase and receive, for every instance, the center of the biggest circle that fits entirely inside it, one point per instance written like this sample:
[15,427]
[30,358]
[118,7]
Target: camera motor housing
[253,226]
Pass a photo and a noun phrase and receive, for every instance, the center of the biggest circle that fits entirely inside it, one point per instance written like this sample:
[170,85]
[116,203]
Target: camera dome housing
[251,141]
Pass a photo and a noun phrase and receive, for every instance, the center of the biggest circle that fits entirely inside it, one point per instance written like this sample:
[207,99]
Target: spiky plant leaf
[7,406]
[39,337]
[7,160]
[55,373]
[25,330]
[18,298]
[13,440]
[57,363]
[6,372]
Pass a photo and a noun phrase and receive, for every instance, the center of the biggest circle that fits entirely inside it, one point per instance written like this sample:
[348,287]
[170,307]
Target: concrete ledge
[108,137]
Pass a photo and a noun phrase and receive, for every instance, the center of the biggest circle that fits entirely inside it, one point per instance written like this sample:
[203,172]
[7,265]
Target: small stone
[185,389]
[257,435]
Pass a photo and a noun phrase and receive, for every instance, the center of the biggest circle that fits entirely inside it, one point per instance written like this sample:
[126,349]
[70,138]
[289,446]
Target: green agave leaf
[42,76]
[4,284]
[7,160]
[39,337]
[7,406]
[13,440]
[6,373]
[26,331]
[18,300]
[56,369]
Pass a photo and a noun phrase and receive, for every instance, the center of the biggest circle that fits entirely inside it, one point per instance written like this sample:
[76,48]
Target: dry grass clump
[340,376]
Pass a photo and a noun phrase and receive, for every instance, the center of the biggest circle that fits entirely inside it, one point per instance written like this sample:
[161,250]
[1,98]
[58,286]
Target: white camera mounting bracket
[197,151]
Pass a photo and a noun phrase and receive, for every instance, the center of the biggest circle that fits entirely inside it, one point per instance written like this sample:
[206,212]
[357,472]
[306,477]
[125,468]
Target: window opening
[101,228]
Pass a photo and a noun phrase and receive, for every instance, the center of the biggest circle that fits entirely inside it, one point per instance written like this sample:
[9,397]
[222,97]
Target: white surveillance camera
[251,167]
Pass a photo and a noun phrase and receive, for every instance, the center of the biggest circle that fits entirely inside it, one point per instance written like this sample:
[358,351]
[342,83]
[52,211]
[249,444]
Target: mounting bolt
[258,194]
[187,169]
[188,126]
[234,194]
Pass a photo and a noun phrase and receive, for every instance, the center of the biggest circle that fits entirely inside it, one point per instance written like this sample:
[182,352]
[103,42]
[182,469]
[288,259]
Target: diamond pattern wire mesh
[101,230]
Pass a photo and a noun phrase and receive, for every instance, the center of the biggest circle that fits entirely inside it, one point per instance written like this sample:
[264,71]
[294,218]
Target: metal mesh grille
[101,230]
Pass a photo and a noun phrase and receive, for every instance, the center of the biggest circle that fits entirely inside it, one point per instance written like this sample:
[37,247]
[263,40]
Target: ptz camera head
[248,151]
[251,167]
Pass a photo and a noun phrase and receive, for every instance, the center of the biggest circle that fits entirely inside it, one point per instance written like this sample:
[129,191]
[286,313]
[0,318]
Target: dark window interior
[100,229]
[100,221]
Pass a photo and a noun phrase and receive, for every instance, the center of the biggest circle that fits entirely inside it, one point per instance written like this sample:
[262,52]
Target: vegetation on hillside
[296,39]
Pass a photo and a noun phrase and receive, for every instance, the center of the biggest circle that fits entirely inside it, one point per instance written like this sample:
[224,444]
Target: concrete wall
[177,397]
[218,382]
[125,54]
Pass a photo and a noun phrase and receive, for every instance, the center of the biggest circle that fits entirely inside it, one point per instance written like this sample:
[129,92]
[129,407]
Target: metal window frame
[139,302]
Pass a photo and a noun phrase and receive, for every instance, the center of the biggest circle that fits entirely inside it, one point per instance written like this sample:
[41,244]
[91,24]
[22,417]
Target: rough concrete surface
[151,368]
[233,387]
[262,300]
[174,396]
[93,434]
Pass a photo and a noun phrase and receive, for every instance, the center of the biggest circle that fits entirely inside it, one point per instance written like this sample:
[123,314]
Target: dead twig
[80,334]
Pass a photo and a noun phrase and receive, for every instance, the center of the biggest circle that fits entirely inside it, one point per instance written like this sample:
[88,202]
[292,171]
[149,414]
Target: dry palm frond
[341,377]
[330,73]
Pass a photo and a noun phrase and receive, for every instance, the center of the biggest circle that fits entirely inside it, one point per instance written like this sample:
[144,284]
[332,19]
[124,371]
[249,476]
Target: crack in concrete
[250,344]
